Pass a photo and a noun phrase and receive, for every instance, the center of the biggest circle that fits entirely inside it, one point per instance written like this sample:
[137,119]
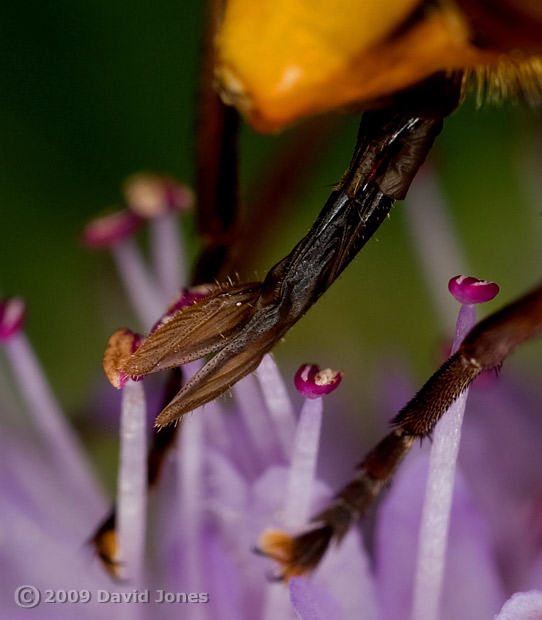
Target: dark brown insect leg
[485,347]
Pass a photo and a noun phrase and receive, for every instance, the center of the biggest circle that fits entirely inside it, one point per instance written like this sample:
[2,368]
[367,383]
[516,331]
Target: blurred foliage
[92,92]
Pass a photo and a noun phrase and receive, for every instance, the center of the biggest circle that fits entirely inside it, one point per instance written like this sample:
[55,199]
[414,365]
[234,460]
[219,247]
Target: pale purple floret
[160,199]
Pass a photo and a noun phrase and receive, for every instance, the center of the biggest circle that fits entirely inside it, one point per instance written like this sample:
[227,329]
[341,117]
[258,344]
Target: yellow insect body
[281,60]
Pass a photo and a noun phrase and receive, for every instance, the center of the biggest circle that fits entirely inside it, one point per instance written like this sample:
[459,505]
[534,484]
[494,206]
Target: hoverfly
[407,68]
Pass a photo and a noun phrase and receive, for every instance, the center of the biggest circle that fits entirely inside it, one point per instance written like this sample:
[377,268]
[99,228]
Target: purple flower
[245,468]
[234,472]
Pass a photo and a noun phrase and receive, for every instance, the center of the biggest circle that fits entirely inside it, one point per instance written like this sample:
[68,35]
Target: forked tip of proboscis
[295,555]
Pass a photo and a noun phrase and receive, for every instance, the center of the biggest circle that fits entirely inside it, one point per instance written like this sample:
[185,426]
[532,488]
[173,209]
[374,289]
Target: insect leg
[485,347]
[391,147]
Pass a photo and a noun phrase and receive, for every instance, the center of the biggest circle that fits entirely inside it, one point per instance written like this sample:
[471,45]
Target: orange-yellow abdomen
[281,60]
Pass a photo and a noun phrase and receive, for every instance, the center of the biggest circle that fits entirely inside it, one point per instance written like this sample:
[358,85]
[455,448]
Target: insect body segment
[280,61]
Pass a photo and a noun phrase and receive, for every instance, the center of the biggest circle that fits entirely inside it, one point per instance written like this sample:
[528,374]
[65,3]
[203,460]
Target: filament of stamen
[297,501]
[299,490]
[438,499]
[190,480]
[132,482]
[278,403]
[168,253]
[190,460]
[145,296]
[252,409]
[58,436]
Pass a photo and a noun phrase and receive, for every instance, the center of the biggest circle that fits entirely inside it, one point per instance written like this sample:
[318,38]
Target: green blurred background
[93,92]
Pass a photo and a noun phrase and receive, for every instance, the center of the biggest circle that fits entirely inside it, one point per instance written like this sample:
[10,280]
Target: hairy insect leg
[484,348]
[301,554]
